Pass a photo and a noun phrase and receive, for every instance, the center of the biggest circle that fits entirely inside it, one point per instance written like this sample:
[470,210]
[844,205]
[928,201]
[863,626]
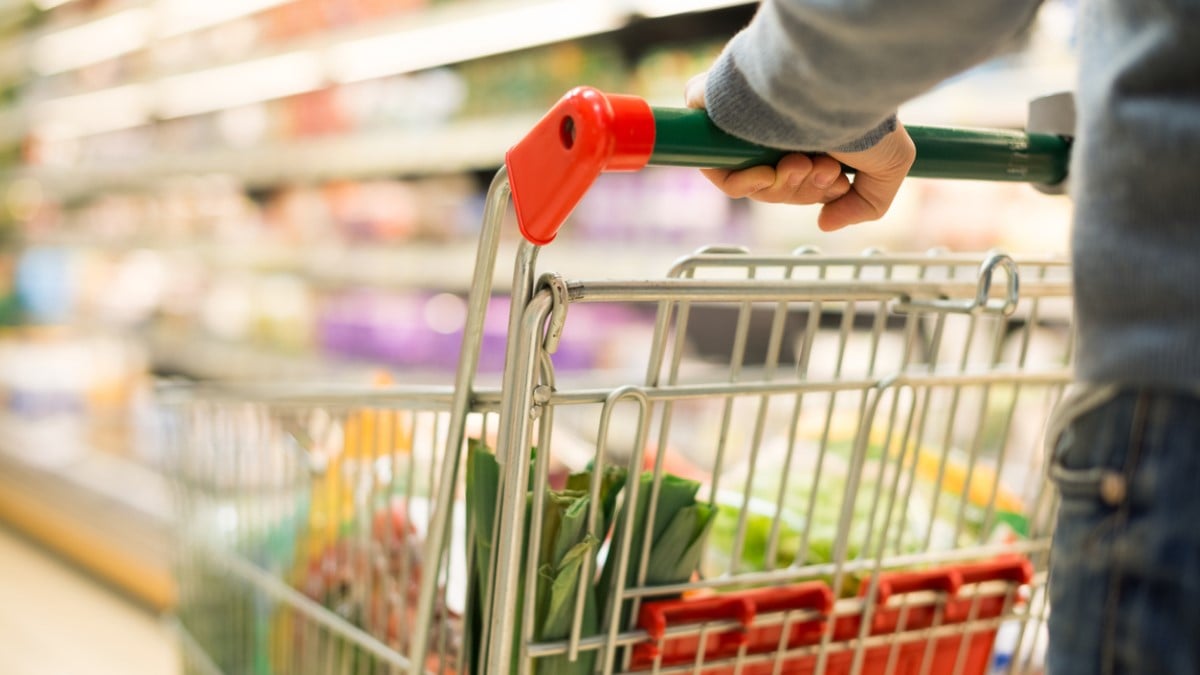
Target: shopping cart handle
[686,137]
[589,132]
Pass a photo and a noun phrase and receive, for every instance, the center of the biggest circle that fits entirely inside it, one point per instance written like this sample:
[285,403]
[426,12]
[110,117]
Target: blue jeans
[1125,562]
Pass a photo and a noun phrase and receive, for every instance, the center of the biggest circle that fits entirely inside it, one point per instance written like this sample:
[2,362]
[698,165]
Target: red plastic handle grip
[740,606]
[946,580]
[1014,568]
[950,580]
[743,607]
[811,596]
[587,132]
[655,617]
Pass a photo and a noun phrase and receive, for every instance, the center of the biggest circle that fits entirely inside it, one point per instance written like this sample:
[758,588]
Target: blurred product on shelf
[51,372]
[66,360]
[660,74]
[346,269]
[668,207]
[273,310]
[299,18]
[928,214]
[62,286]
[533,79]
[425,331]
[388,211]
[67,394]
[526,81]
[215,210]
[415,100]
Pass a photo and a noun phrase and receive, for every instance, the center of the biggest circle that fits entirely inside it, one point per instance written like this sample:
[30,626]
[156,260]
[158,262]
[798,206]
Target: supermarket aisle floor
[53,619]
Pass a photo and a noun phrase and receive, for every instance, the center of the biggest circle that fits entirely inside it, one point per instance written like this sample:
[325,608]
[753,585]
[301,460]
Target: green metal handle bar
[589,132]
[685,137]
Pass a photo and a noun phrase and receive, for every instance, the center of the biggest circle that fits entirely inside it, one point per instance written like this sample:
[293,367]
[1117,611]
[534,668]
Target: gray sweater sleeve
[829,74]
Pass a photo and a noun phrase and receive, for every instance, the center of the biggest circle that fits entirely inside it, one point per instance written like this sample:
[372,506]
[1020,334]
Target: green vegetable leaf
[676,499]
[564,546]
[676,553]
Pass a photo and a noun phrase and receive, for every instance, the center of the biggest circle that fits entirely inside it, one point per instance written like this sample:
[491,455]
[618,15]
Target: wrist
[872,137]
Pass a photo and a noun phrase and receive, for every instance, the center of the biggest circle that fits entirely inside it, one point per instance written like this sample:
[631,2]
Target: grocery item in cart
[675,538]
[571,533]
[806,515]
[360,555]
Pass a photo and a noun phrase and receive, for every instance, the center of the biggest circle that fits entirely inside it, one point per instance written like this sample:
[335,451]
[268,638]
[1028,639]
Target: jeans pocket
[1080,484]
[1084,464]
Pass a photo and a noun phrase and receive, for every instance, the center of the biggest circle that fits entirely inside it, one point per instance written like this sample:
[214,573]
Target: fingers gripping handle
[589,132]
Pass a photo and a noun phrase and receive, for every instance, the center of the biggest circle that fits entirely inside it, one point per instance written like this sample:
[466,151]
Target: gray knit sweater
[829,74]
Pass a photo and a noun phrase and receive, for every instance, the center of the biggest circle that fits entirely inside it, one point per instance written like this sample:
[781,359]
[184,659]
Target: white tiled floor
[55,620]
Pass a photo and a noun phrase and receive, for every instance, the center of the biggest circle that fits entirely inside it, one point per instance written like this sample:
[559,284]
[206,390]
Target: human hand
[818,179]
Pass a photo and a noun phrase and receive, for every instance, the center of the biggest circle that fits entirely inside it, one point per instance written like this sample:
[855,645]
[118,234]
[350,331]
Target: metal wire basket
[827,464]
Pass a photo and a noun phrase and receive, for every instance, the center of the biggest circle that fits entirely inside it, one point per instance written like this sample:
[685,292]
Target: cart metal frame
[969,330]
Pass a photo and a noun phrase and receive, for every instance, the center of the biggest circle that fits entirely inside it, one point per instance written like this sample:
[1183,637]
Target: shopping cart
[849,481]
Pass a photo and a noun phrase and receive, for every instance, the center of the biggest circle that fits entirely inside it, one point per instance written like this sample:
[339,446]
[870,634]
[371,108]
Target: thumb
[881,171]
[693,92]
[868,199]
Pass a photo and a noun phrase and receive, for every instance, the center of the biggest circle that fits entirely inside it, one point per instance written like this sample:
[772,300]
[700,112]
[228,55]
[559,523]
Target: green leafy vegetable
[676,535]
[566,550]
[808,538]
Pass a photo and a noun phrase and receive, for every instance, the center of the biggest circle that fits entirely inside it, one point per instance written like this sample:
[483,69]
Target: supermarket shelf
[12,122]
[477,28]
[442,266]
[438,36]
[106,513]
[208,359]
[459,146]
[13,61]
[660,8]
[449,267]
[433,266]
[182,350]
[12,11]
[91,16]
[185,353]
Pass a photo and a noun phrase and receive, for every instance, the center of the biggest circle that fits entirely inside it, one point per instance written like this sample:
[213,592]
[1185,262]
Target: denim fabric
[1125,565]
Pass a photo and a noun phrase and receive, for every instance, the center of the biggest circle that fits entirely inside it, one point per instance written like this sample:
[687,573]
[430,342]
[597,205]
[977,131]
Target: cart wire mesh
[860,436]
[851,417]
[301,521]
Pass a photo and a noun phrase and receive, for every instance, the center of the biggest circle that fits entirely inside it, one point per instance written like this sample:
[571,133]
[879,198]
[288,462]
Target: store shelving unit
[104,512]
[437,36]
[110,512]
[426,266]
[458,147]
